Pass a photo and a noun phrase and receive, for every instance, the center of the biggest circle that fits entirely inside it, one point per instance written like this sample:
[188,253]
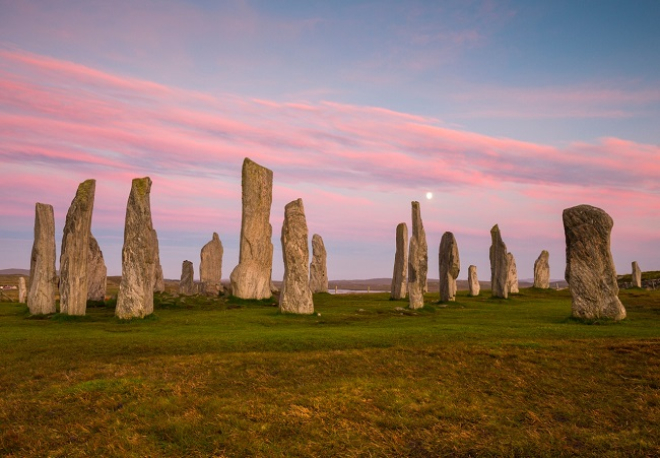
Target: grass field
[202,377]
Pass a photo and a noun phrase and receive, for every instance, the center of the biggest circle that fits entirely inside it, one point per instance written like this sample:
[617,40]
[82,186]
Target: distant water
[353,291]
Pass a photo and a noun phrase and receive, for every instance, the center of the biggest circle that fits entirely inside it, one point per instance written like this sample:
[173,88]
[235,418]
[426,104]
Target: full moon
[429,195]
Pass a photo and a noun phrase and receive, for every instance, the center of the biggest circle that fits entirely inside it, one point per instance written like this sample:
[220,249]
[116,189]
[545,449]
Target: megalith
[418,260]
[22,290]
[400,274]
[97,272]
[513,275]
[449,266]
[136,290]
[295,295]
[473,282]
[542,271]
[210,267]
[590,270]
[251,278]
[636,275]
[187,283]
[318,270]
[43,279]
[499,265]
[75,249]
[159,281]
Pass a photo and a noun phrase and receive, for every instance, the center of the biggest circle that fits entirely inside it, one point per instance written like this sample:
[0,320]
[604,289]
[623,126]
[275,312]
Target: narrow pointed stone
[499,265]
[159,281]
[318,271]
[251,278]
[75,250]
[187,283]
[296,296]
[513,275]
[210,267]
[418,260]
[97,272]
[43,279]
[590,270]
[473,282]
[22,290]
[542,271]
[636,275]
[400,274]
[136,290]
[449,266]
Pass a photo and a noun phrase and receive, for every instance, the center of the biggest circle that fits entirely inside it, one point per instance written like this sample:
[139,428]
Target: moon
[429,195]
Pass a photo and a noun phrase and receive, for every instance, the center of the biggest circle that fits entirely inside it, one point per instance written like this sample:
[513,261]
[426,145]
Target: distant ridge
[25,272]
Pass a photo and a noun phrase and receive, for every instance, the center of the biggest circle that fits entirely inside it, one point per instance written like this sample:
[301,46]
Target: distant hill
[25,272]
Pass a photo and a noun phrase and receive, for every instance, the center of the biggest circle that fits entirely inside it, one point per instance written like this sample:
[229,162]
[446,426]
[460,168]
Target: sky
[508,112]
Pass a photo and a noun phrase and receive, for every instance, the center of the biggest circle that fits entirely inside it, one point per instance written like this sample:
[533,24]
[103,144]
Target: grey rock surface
[399,287]
[542,271]
[210,267]
[513,275]
[97,272]
[22,290]
[499,264]
[75,250]
[590,271]
[43,279]
[318,270]
[418,260]
[187,283]
[473,281]
[295,295]
[636,275]
[251,278]
[159,281]
[449,265]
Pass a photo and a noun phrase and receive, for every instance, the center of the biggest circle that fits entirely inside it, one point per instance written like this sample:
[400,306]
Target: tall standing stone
[97,272]
[43,280]
[400,274]
[251,278]
[187,283]
[159,280]
[136,290]
[473,282]
[513,275]
[22,290]
[318,270]
[636,275]
[449,266]
[590,271]
[418,260]
[75,249]
[210,266]
[296,295]
[542,271]
[499,264]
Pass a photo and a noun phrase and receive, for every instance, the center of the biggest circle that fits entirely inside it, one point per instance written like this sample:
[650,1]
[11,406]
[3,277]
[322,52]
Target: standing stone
[590,271]
[418,260]
[251,278]
[136,290]
[400,274]
[43,280]
[210,267]
[636,275]
[97,272]
[296,295]
[22,290]
[187,283]
[473,282]
[450,266]
[159,281]
[75,250]
[499,265]
[513,275]
[318,271]
[542,271]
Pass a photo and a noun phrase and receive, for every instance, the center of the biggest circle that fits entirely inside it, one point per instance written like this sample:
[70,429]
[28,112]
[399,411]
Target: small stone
[318,271]
[636,275]
[210,267]
[97,272]
[418,260]
[22,290]
[449,266]
[513,275]
[187,283]
[499,265]
[43,279]
[473,282]
[400,275]
[159,280]
[542,271]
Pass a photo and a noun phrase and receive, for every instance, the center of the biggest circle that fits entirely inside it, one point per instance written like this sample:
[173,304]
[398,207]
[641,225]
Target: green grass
[218,377]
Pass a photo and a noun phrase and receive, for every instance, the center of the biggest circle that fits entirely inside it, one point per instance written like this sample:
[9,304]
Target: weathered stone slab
[449,266]
[590,270]
[22,290]
[473,282]
[43,279]
[418,260]
[159,280]
[513,275]
[251,278]
[136,290]
[75,250]
[296,296]
[636,275]
[187,283]
[400,274]
[499,264]
[210,267]
[318,271]
[542,271]
[97,272]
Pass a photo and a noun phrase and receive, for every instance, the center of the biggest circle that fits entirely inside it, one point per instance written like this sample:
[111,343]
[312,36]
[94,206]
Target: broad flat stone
[449,266]
[75,250]
[159,280]
[400,275]
[318,271]
[43,279]
[136,290]
[542,271]
[473,282]
[97,272]
[590,271]
[187,283]
[513,275]
[296,296]
[636,275]
[499,264]
[251,278]
[210,267]
[418,260]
